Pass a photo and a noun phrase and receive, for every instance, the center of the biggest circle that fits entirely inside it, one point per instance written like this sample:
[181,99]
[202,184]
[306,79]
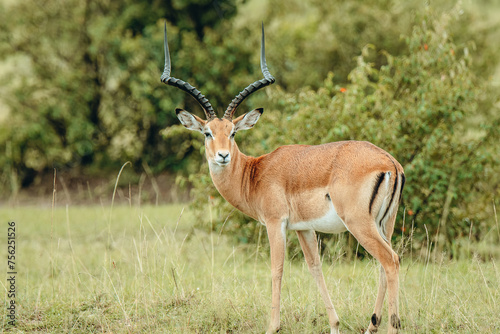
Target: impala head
[219,132]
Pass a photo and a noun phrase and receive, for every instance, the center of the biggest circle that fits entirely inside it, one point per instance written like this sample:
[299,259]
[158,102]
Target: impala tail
[390,196]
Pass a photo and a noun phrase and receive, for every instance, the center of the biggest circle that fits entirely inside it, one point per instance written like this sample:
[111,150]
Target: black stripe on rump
[392,197]
[380,178]
[402,186]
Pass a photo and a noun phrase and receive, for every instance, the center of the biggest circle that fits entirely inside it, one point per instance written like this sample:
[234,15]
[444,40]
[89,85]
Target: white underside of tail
[381,225]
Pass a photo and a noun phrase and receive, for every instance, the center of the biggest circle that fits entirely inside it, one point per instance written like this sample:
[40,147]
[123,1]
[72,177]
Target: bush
[83,86]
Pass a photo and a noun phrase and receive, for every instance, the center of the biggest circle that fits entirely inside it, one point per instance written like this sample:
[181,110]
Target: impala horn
[268,79]
[185,86]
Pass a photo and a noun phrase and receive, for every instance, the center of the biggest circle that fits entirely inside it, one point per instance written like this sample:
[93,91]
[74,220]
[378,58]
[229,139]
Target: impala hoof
[272,330]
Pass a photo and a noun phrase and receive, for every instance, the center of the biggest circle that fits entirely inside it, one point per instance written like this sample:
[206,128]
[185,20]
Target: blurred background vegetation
[80,93]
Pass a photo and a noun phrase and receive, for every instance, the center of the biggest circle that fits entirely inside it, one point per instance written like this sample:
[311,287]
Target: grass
[148,270]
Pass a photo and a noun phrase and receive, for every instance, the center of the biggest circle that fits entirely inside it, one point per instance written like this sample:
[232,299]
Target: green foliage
[83,88]
[422,106]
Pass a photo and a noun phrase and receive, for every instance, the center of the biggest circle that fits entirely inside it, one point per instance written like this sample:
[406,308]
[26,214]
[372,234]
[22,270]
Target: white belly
[329,223]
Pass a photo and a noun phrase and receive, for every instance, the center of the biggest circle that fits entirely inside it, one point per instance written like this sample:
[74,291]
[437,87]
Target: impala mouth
[218,165]
[222,163]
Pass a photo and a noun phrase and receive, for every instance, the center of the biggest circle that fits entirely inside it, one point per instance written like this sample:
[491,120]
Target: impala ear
[190,121]
[248,120]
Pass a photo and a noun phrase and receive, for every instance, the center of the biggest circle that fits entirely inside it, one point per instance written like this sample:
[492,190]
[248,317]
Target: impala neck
[230,180]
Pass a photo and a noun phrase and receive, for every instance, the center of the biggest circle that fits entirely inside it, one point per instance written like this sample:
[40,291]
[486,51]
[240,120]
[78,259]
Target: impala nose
[223,157]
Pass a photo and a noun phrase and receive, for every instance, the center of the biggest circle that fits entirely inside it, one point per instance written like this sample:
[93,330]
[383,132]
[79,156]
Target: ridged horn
[268,79]
[167,79]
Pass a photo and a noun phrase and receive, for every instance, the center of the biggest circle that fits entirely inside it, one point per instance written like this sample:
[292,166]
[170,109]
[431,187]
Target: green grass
[147,270]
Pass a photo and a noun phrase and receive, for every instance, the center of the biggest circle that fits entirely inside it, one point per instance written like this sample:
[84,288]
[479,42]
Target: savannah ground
[146,269]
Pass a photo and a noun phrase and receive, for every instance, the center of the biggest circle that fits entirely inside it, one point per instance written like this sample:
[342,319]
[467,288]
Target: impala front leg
[276,234]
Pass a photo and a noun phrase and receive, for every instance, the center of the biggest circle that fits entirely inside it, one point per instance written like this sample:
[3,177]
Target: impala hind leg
[376,318]
[382,288]
[276,234]
[309,246]
[365,231]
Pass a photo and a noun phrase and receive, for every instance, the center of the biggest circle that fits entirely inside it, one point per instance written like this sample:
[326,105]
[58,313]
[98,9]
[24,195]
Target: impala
[342,186]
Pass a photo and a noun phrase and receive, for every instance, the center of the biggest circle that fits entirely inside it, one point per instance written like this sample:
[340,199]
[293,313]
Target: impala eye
[232,135]
[208,135]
